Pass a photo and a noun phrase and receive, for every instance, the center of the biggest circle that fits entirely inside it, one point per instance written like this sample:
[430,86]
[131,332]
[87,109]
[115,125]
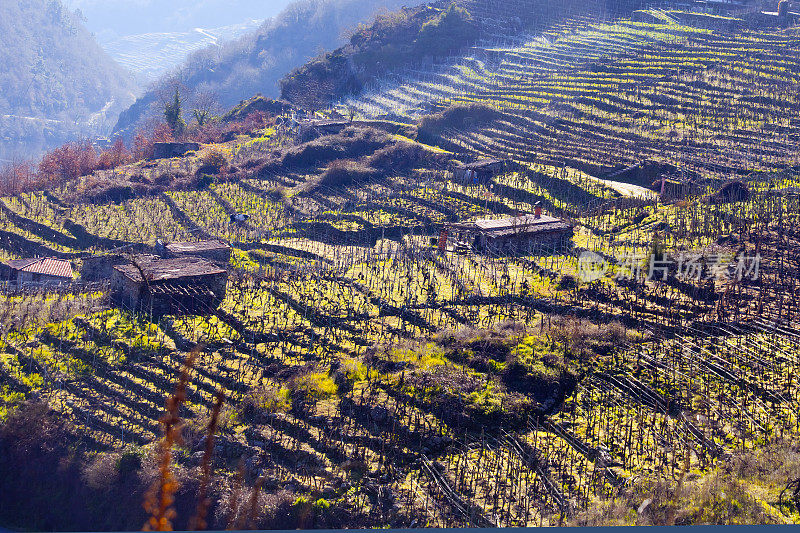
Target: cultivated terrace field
[356,377]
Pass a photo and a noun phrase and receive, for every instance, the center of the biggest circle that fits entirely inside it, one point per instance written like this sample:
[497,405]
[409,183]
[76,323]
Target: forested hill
[56,83]
[255,63]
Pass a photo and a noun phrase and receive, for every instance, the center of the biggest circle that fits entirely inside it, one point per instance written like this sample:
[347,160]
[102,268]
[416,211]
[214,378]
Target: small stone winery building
[177,286]
[510,235]
[481,171]
[40,270]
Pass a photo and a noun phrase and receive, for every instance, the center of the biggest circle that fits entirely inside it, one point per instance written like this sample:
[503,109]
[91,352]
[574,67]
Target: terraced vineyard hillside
[595,96]
[370,380]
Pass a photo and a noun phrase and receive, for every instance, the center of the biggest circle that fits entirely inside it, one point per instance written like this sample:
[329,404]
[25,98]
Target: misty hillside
[257,62]
[149,55]
[56,83]
[110,20]
[150,37]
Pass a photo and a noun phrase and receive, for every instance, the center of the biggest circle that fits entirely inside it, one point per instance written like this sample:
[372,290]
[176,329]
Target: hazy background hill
[256,62]
[149,37]
[149,55]
[110,19]
[56,83]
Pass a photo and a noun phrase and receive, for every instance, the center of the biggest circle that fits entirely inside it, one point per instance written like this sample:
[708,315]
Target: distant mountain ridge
[255,63]
[56,83]
[114,19]
[148,55]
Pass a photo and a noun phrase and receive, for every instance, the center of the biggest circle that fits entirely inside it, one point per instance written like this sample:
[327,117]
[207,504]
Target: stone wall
[101,267]
[526,243]
[134,296]
[168,150]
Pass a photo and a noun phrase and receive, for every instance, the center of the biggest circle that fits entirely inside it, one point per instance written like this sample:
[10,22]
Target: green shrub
[314,386]
[487,401]
[129,461]
[321,505]
[344,173]
[269,399]
[432,126]
[301,501]
[349,373]
[451,30]
[214,161]
[8,401]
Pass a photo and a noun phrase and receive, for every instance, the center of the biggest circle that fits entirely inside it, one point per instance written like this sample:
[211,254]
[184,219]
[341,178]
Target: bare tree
[205,106]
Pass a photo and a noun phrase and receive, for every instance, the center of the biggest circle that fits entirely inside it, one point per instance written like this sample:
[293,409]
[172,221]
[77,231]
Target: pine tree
[172,114]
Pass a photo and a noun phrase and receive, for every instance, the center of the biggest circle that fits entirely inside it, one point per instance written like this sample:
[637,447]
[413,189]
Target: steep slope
[255,63]
[412,38]
[56,83]
[601,97]
[326,350]
[392,41]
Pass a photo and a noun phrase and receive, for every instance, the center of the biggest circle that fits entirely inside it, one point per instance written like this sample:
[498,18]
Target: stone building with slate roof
[176,286]
[480,171]
[510,235]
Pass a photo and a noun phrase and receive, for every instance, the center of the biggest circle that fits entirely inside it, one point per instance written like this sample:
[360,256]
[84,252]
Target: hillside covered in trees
[56,83]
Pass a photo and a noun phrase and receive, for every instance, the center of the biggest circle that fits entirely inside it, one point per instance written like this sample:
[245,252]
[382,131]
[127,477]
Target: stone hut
[101,267]
[735,191]
[647,172]
[177,286]
[309,129]
[480,171]
[40,270]
[669,189]
[510,235]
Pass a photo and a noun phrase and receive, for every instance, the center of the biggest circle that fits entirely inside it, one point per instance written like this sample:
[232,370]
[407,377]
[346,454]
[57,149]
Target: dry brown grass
[742,490]
[203,502]
[161,496]
[584,339]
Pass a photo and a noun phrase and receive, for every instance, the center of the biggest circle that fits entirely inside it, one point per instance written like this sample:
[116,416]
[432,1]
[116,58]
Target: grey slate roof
[197,247]
[503,227]
[157,269]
